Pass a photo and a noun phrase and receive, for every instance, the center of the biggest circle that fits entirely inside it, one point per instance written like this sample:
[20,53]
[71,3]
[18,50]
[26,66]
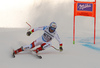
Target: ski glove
[61,49]
[29,33]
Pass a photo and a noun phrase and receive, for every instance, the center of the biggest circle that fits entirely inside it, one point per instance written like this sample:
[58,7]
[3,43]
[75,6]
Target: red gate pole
[95,22]
[74,25]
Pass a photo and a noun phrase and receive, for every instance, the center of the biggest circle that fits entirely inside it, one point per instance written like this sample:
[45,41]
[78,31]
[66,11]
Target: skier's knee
[26,47]
[42,46]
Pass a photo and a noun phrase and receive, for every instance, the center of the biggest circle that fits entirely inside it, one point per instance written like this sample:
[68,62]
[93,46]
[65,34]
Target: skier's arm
[60,43]
[35,29]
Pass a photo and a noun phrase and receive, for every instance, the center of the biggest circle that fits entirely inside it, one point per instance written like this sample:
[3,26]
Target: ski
[32,51]
[34,54]
[40,57]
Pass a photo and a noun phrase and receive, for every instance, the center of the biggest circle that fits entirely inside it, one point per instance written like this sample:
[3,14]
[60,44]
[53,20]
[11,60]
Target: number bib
[47,36]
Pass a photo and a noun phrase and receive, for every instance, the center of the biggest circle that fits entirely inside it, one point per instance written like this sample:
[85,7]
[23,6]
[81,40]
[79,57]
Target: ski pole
[55,48]
[29,25]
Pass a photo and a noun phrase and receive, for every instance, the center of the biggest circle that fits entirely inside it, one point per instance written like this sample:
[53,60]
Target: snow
[82,54]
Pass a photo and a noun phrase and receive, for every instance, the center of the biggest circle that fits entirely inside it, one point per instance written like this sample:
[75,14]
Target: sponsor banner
[84,8]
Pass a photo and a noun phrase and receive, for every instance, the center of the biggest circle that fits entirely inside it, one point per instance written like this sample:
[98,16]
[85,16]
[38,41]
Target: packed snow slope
[13,29]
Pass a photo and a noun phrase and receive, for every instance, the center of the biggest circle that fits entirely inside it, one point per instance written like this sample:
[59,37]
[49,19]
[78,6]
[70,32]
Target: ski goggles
[52,29]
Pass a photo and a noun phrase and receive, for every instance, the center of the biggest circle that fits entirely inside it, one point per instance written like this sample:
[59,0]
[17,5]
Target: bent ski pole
[55,48]
[29,25]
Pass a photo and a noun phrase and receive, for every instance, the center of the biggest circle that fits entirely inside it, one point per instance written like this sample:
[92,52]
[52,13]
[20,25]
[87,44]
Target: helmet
[53,24]
[52,27]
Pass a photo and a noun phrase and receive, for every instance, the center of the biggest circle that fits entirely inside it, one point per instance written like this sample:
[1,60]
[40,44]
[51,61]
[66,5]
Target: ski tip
[13,55]
[40,57]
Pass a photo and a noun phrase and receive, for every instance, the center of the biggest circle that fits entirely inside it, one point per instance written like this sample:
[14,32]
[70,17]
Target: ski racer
[44,41]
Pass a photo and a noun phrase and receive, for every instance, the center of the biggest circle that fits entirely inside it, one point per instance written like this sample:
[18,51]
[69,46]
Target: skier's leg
[37,42]
[39,48]
[32,45]
[18,50]
[47,45]
[43,47]
[24,48]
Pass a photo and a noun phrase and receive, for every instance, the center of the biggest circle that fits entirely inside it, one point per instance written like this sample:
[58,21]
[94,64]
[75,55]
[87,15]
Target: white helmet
[52,27]
[53,24]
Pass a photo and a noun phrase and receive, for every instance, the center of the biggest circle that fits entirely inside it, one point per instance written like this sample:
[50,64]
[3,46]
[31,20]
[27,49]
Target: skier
[44,40]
